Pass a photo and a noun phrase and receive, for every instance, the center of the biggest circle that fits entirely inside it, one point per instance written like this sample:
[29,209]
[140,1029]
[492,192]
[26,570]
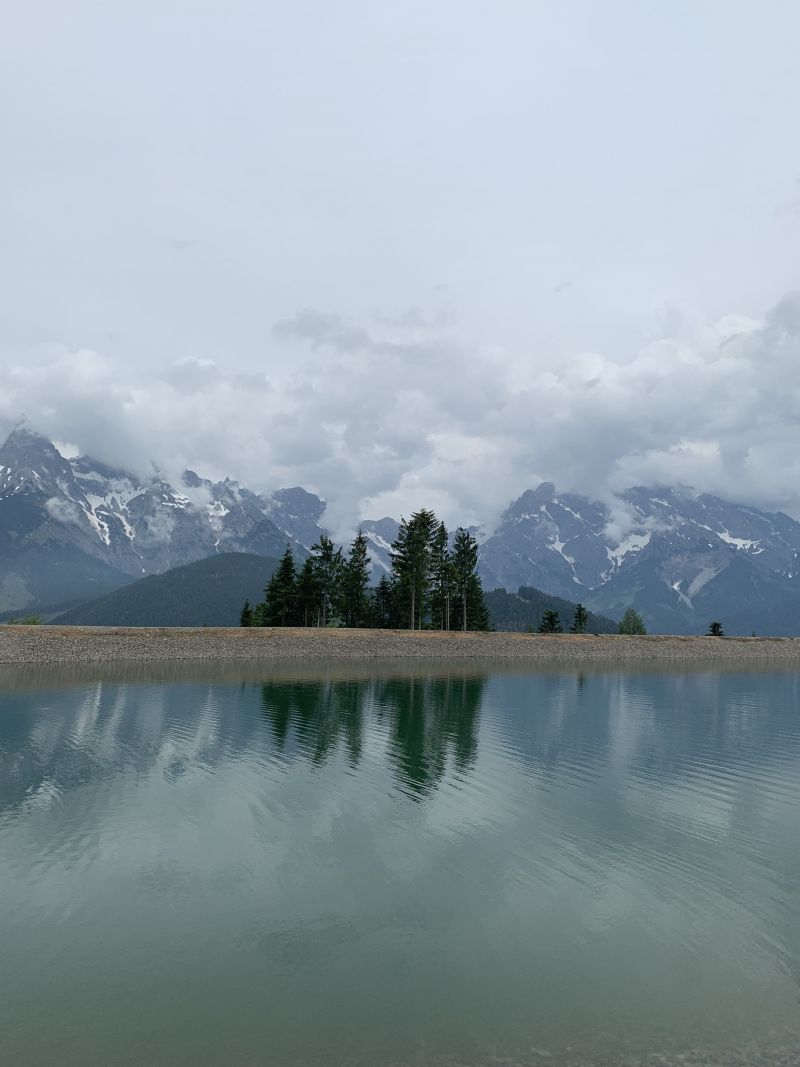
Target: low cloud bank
[382,417]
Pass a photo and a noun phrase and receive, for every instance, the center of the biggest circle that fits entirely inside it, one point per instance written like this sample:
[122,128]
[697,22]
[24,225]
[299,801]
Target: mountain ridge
[207,592]
[66,523]
[681,557]
[678,556]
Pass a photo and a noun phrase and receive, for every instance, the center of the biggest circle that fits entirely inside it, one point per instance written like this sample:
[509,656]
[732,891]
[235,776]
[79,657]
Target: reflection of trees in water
[429,720]
[320,714]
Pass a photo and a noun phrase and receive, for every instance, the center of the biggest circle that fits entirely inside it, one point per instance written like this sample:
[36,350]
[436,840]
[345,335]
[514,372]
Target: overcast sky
[428,253]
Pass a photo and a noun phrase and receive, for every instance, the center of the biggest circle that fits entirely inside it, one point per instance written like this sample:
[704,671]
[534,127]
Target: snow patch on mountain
[99,526]
[748,544]
[634,542]
[559,546]
[702,579]
[616,552]
[676,587]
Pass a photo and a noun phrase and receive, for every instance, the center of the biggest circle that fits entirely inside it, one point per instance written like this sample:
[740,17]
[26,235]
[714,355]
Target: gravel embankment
[88,644]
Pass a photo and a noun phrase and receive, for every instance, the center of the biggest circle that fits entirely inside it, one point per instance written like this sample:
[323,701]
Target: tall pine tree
[580,622]
[412,552]
[472,611]
[328,566]
[355,582]
[281,594]
[246,618]
[382,604]
[309,601]
[443,578]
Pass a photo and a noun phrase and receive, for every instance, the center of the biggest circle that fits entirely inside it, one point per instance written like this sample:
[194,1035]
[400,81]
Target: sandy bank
[87,644]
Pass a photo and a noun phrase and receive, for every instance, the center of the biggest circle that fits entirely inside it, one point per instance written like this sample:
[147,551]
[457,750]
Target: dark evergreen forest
[433,584]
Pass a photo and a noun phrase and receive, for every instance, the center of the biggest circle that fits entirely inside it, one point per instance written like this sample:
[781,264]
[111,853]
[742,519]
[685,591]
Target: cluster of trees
[633,623]
[433,584]
[551,621]
[328,588]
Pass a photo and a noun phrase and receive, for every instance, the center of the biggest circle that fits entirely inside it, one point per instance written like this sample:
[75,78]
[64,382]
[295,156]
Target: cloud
[63,510]
[159,527]
[380,417]
[321,328]
[192,375]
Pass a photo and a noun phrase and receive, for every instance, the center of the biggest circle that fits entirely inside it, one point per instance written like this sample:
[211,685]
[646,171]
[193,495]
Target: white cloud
[456,252]
[64,510]
[381,418]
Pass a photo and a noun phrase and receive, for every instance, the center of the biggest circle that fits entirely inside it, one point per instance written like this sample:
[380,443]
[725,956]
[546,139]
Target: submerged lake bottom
[432,865]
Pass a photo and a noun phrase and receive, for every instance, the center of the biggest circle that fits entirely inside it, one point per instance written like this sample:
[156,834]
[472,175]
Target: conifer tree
[281,593]
[443,578]
[246,618]
[411,562]
[715,629]
[550,624]
[355,582]
[472,608]
[308,595]
[580,622]
[382,604]
[328,566]
[477,612]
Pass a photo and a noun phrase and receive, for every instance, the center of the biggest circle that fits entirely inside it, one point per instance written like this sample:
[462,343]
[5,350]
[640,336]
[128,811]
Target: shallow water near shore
[388,865]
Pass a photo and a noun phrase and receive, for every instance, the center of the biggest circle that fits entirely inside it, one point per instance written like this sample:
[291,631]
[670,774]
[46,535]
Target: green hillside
[209,592]
[523,611]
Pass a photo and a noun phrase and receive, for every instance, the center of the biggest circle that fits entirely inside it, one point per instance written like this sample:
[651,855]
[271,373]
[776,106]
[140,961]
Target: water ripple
[597,866]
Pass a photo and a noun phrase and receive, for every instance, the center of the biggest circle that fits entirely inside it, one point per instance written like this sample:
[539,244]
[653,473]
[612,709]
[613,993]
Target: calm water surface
[455,869]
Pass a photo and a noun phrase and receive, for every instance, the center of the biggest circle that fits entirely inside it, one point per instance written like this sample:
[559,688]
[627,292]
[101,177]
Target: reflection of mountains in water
[59,740]
[651,724]
[427,719]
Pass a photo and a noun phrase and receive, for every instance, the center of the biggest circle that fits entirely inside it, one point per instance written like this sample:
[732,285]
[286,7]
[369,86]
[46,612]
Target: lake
[396,866]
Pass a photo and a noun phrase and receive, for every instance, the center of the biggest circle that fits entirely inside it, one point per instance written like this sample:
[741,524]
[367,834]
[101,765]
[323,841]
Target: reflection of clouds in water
[428,730]
[566,840]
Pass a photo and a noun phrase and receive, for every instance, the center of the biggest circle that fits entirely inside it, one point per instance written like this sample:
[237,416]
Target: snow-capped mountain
[380,533]
[70,528]
[677,556]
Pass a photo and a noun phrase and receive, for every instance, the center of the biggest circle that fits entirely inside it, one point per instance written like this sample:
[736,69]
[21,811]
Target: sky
[407,255]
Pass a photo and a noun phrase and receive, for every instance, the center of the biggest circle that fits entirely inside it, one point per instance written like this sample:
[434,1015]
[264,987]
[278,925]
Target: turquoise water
[555,868]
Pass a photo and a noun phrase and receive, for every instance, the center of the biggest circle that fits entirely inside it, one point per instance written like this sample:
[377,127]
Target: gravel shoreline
[94,644]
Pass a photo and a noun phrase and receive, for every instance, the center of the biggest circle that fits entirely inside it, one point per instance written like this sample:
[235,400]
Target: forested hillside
[524,610]
[209,592]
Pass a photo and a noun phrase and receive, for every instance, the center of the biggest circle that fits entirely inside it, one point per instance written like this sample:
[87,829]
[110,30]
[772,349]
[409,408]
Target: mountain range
[72,529]
[679,557]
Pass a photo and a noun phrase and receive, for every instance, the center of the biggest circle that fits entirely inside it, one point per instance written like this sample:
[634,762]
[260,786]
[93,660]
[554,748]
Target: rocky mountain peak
[30,463]
[301,499]
[24,445]
[678,556]
[531,500]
